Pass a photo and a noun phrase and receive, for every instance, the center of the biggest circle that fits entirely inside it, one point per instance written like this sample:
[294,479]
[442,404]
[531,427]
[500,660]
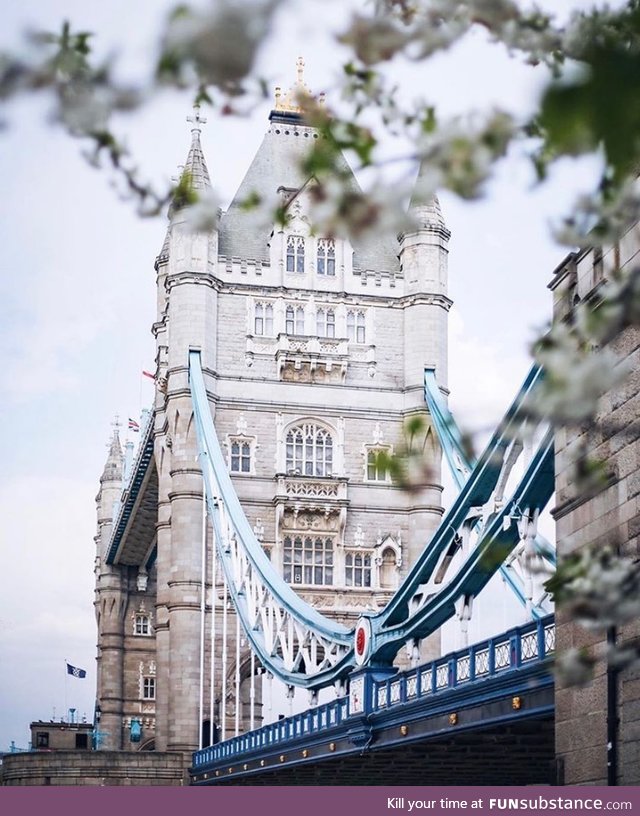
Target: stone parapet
[95,768]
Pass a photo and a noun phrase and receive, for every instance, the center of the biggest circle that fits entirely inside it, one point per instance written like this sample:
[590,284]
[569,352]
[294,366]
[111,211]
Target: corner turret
[424,251]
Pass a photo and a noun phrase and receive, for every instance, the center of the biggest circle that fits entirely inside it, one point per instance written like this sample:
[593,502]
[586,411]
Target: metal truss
[302,647]
[519,569]
[292,639]
[476,534]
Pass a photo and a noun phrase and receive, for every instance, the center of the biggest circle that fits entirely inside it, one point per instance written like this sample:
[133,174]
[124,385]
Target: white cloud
[484,377]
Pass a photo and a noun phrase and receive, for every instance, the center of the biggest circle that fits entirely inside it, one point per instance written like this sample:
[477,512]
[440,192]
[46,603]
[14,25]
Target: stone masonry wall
[95,768]
[610,517]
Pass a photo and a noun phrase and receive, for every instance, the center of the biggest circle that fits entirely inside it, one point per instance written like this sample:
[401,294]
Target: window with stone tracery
[356,330]
[239,456]
[294,320]
[263,319]
[357,569]
[295,254]
[326,323]
[326,257]
[308,560]
[377,461]
[309,450]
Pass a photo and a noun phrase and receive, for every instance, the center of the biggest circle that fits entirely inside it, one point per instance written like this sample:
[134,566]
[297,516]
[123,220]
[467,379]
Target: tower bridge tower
[313,351]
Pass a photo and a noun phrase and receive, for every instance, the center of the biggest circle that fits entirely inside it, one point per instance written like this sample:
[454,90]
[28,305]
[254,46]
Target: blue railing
[513,650]
[312,721]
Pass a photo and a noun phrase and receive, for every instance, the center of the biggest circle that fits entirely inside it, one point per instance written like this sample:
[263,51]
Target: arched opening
[388,571]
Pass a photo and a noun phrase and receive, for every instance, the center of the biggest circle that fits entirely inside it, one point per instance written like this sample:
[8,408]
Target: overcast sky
[77,299]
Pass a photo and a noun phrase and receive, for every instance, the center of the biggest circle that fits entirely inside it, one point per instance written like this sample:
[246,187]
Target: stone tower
[313,351]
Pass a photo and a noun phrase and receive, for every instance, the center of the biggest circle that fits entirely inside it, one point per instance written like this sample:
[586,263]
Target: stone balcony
[317,504]
[312,359]
[309,358]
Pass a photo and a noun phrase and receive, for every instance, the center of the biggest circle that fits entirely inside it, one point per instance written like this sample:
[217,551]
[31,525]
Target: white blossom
[574,667]
[221,42]
[204,215]
[575,379]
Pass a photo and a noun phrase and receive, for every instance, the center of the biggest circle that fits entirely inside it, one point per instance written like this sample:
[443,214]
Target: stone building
[607,709]
[313,351]
[61,736]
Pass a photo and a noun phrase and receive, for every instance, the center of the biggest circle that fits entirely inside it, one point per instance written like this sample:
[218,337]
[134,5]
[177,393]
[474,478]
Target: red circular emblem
[360,641]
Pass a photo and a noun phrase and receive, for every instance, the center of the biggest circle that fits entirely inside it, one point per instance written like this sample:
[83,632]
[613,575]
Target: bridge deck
[481,716]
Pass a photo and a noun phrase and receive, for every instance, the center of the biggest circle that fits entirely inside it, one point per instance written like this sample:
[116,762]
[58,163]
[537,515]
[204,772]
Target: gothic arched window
[240,459]
[295,254]
[326,257]
[326,323]
[294,320]
[263,319]
[378,464]
[356,326]
[309,450]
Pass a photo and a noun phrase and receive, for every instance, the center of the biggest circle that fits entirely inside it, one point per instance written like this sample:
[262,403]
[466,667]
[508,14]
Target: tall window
[263,319]
[309,451]
[142,626]
[326,323]
[377,464]
[326,257]
[308,560]
[357,569]
[295,254]
[294,320]
[148,688]
[355,327]
[240,460]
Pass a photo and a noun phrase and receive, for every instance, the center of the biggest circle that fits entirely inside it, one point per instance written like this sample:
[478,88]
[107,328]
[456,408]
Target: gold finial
[290,101]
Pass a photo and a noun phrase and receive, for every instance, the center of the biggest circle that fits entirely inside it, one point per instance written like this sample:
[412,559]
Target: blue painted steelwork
[515,662]
[447,429]
[125,508]
[489,658]
[287,609]
[460,466]
[423,602]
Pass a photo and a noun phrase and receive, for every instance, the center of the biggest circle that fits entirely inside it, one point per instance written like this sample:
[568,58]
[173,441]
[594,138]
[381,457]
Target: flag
[133,425]
[74,671]
[149,374]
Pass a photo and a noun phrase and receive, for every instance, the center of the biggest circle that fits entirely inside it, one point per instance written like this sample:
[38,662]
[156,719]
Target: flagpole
[66,674]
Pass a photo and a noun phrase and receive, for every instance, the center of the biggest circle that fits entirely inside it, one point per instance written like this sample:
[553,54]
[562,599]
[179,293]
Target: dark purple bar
[318,801]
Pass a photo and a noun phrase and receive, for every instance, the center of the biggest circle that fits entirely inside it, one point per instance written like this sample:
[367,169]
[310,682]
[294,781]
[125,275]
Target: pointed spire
[113,466]
[195,165]
[424,206]
[196,169]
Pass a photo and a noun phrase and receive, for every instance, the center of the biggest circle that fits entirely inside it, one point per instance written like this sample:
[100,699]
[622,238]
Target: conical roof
[195,164]
[113,466]
[424,206]
[195,167]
